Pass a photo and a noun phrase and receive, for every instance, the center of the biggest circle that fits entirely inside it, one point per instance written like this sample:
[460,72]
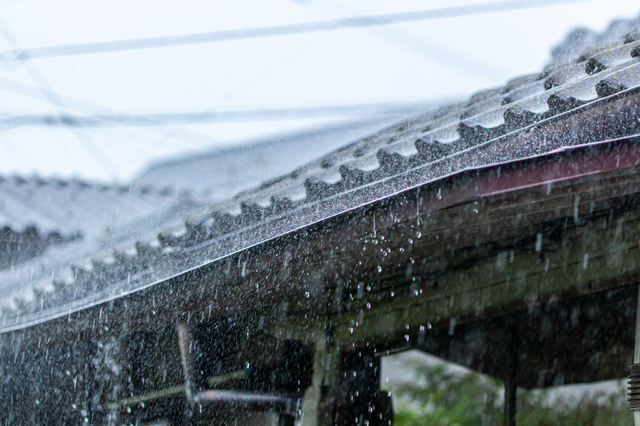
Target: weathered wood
[511,380]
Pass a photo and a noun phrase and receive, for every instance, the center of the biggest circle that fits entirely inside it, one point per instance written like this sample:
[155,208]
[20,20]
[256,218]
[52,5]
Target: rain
[312,213]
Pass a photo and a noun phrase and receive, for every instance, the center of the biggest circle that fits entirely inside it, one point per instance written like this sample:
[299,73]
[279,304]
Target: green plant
[440,397]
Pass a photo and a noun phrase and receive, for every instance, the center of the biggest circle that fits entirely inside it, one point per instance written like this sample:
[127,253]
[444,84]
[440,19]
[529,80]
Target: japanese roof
[220,174]
[527,117]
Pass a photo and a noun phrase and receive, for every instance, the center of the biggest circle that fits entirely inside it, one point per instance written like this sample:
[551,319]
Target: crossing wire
[160,119]
[273,31]
[85,140]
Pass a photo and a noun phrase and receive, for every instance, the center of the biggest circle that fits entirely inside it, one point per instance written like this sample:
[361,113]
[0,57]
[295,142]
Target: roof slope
[591,96]
[68,207]
[221,174]
[36,213]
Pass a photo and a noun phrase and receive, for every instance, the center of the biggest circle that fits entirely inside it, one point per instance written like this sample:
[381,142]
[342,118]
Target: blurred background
[74,104]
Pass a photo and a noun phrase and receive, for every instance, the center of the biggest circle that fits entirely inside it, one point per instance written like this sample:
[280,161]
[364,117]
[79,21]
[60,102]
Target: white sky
[381,64]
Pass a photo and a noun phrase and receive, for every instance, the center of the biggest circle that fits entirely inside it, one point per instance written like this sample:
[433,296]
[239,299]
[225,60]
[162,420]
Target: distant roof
[72,206]
[590,96]
[41,217]
[220,174]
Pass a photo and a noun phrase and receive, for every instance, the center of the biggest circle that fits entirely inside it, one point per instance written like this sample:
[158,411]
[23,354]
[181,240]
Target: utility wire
[155,119]
[272,31]
[58,105]
[82,106]
[443,55]
[403,38]
[462,62]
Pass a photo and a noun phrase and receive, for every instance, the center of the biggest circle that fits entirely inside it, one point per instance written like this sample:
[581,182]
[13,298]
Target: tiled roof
[36,213]
[532,115]
[220,174]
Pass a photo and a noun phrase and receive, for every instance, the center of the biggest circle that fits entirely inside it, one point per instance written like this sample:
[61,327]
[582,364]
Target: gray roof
[72,206]
[220,174]
[527,117]
[37,213]
[583,41]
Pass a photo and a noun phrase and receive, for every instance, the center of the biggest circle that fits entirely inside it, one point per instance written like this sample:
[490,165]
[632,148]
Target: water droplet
[379,268]
[368,305]
[393,294]
[406,337]
[306,294]
[419,234]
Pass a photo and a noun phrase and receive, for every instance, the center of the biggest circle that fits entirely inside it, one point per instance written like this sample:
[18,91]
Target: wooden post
[636,353]
[318,403]
[359,400]
[190,354]
[511,380]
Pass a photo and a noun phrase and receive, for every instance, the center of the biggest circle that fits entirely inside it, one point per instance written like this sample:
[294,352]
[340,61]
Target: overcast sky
[409,62]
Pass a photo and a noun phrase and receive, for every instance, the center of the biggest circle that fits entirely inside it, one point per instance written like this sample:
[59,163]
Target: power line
[443,55]
[156,119]
[457,60]
[273,31]
[82,106]
[58,105]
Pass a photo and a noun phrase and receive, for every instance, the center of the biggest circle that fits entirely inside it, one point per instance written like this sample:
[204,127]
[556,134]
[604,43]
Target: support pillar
[191,357]
[634,378]
[318,404]
[511,379]
[360,402]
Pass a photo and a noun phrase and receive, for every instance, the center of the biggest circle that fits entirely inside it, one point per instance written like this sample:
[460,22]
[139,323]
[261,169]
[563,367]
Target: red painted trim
[566,167]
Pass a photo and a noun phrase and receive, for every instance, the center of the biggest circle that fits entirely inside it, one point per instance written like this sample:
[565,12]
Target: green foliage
[440,397]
